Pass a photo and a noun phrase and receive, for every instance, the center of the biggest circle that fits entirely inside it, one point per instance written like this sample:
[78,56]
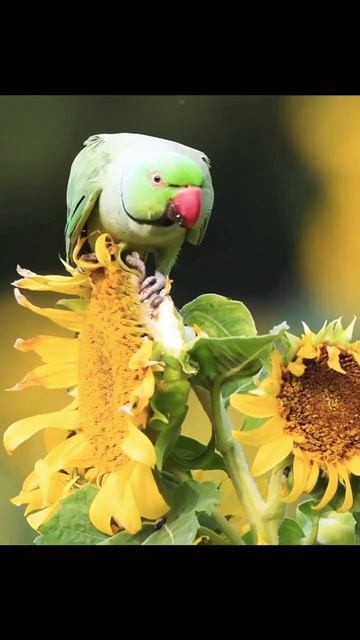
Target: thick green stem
[214,537]
[226,527]
[275,507]
[236,466]
[222,523]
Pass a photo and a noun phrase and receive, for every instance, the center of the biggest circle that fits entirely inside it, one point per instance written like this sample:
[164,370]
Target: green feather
[84,188]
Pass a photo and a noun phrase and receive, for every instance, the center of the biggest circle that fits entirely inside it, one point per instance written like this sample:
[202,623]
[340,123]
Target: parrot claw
[134,260]
[155,300]
[153,285]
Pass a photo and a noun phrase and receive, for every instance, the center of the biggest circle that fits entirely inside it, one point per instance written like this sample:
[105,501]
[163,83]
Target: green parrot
[148,192]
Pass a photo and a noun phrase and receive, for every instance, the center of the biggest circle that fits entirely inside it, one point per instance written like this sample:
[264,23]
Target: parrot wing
[84,188]
[196,234]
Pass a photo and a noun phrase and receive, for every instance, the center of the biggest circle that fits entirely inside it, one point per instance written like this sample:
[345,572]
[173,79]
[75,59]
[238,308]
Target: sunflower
[311,401]
[108,371]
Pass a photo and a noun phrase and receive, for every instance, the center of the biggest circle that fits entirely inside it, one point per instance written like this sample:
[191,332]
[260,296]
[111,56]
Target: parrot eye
[157,180]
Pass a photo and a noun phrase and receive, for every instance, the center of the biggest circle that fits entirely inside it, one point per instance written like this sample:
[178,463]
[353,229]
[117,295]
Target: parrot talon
[134,260]
[153,285]
[155,300]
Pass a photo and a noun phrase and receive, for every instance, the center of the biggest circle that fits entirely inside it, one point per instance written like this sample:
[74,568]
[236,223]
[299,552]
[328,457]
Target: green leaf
[170,408]
[290,532]
[124,538]
[337,528]
[167,438]
[191,454]
[306,516]
[219,317]
[71,524]
[356,515]
[244,385]
[229,358]
[182,522]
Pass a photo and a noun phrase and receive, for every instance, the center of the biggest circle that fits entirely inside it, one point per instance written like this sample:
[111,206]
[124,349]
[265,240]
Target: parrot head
[163,189]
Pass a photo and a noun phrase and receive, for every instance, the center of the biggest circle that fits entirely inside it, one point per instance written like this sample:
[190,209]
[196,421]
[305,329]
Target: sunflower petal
[307,351]
[115,500]
[51,348]
[296,368]
[354,465]
[148,498]
[53,437]
[333,359]
[269,431]
[312,478]
[330,489]
[68,319]
[35,520]
[276,365]
[141,394]
[138,447]
[269,455]
[255,406]
[300,473]
[141,358]
[77,285]
[72,450]
[23,429]
[51,376]
[348,500]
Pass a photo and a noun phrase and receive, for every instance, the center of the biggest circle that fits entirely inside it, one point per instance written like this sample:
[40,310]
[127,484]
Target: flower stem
[213,537]
[275,507]
[237,468]
[226,527]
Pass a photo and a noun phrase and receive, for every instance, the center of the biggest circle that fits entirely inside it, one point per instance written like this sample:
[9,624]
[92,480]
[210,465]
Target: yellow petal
[35,520]
[276,372]
[333,359]
[71,452]
[296,368]
[307,351]
[269,431]
[312,478]
[68,319]
[354,465]
[115,500]
[138,447]
[53,437]
[348,500]
[104,249]
[77,285]
[257,407]
[51,485]
[51,348]
[26,497]
[330,489]
[23,429]
[141,358]
[141,394]
[356,355]
[51,376]
[269,455]
[148,498]
[300,474]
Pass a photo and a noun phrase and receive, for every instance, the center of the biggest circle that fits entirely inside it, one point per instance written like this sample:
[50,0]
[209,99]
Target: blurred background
[284,236]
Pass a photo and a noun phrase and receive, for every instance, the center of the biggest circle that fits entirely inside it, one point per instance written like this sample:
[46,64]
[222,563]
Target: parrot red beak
[186,206]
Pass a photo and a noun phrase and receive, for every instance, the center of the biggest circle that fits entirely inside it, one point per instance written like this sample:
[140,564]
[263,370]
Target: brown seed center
[323,406]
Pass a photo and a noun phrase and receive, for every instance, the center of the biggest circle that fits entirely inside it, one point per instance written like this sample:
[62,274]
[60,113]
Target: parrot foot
[151,287]
[134,260]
